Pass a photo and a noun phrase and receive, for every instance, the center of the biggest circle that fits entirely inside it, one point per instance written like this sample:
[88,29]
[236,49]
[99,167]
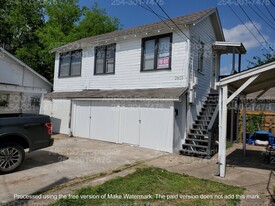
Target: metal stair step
[200,126]
[202,120]
[208,113]
[193,134]
[197,140]
[192,152]
[193,145]
[200,130]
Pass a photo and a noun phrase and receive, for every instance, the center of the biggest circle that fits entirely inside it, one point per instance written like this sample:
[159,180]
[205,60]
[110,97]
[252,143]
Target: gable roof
[185,20]
[25,65]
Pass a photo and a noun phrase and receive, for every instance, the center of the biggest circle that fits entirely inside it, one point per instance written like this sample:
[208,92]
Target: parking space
[67,159]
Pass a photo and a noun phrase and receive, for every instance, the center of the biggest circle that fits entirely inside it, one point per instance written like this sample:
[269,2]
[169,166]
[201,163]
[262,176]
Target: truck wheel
[11,157]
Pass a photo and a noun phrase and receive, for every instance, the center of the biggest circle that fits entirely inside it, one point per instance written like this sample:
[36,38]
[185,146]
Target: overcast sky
[131,15]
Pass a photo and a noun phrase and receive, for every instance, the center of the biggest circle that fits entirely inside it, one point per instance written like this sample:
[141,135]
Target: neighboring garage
[144,118]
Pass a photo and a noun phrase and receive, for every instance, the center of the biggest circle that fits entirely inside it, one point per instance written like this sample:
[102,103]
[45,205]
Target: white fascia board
[246,74]
[126,99]
[14,88]
[225,43]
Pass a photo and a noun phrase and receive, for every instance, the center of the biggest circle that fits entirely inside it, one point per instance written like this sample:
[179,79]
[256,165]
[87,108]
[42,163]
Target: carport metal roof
[258,79]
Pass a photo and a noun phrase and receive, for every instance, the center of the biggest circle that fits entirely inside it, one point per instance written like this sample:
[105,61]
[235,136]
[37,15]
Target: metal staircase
[201,140]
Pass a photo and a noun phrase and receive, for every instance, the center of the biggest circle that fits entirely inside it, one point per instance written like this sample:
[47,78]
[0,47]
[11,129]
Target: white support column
[220,124]
[222,132]
[244,127]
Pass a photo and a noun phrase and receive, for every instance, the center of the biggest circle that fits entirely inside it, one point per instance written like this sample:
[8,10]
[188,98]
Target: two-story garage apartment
[142,86]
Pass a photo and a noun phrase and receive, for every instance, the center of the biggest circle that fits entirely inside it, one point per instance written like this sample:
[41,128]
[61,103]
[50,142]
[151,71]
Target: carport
[257,79]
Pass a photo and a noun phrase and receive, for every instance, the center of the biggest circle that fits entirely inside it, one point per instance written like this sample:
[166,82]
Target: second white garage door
[145,125]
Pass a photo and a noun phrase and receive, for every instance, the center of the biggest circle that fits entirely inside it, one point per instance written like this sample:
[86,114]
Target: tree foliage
[268,57]
[30,29]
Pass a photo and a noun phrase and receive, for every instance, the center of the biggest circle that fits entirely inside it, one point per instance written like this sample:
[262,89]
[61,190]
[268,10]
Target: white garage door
[82,119]
[148,126]
[96,120]
[156,127]
[104,121]
[130,123]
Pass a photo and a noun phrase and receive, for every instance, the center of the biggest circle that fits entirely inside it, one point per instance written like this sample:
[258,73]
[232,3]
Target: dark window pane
[110,59]
[70,64]
[164,45]
[149,55]
[76,64]
[105,59]
[163,53]
[110,65]
[65,65]
[110,52]
[100,57]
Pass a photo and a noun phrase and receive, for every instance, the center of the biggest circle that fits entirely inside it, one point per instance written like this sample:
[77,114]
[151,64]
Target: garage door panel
[130,116]
[104,121]
[82,119]
[154,128]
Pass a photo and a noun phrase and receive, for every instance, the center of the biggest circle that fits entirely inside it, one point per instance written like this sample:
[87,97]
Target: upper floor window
[200,56]
[70,64]
[105,59]
[156,53]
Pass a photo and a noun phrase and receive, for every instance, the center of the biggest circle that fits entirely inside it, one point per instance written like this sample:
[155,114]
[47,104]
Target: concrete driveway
[67,159]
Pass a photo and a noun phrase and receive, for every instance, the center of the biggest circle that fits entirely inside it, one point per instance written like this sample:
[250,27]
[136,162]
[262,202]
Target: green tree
[68,22]
[95,22]
[18,23]
[268,57]
[30,29]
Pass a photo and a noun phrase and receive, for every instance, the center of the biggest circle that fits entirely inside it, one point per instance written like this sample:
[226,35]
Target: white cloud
[225,70]
[240,33]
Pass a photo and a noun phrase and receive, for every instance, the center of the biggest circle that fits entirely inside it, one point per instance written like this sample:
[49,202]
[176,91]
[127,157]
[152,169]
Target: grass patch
[152,181]
[228,144]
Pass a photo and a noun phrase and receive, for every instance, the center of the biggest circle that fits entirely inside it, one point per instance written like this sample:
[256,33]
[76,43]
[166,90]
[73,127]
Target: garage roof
[172,94]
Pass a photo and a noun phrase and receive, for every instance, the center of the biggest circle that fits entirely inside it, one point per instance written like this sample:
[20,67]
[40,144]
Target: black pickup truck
[19,132]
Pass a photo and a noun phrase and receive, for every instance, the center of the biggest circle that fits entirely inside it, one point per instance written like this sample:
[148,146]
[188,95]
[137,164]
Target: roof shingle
[156,93]
[180,21]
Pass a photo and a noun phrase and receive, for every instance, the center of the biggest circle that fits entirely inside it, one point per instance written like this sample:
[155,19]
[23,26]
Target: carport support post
[222,131]
[244,126]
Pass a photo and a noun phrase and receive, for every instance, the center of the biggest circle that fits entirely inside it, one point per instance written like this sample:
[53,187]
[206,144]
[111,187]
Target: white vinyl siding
[202,32]
[127,69]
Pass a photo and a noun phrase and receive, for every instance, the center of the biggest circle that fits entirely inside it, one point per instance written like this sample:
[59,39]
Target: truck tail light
[49,127]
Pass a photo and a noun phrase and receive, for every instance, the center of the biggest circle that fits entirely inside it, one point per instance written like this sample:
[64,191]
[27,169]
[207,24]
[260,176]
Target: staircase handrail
[214,118]
[213,122]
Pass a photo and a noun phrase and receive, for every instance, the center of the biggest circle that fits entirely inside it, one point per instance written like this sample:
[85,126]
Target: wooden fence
[269,116]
